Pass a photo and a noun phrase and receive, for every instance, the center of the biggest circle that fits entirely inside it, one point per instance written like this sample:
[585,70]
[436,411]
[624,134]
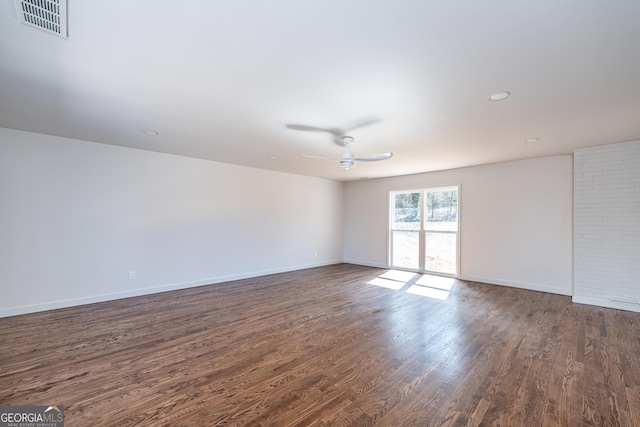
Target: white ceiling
[221,80]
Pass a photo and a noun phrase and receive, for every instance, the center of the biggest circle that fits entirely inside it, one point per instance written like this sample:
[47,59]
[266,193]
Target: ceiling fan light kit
[348,161]
[347,164]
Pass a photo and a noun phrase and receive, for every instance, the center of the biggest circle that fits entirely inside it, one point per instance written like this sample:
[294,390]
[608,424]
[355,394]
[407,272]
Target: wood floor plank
[325,347]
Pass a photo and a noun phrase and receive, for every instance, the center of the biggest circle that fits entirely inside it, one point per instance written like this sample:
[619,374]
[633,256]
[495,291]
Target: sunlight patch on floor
[426,285]
[424,291]
[400,276]
[393,279]
[387,283]
[437,282]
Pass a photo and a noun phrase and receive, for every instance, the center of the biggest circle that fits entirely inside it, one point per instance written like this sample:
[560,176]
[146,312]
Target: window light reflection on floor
[398,275]
[428,292]
[387,283]
[436,287]
[436,282]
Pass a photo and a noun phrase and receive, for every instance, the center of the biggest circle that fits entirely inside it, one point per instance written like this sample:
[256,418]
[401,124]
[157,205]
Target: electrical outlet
[132,275]
[315,253]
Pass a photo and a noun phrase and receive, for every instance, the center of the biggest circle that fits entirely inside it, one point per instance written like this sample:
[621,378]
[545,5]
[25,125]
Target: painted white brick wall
[606,226]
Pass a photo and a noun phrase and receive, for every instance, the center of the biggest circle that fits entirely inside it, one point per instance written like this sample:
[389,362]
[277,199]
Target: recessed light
[531,140]
[272,157]
[499,96]
[150,132]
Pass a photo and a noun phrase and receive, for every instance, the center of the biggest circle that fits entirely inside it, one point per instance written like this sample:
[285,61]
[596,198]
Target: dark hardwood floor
[322,347]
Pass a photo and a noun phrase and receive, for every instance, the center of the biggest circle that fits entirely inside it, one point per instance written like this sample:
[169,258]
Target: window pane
[441,210]
[406,211]
[440,252]
[405,249]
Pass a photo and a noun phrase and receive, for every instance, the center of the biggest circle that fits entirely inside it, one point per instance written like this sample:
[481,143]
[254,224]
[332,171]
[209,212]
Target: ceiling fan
[348,161]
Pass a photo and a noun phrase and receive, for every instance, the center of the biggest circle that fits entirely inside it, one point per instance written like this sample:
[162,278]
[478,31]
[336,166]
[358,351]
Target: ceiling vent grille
[47,15]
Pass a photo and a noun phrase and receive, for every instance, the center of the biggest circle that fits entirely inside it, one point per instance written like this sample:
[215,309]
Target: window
[424,230]
[405,230]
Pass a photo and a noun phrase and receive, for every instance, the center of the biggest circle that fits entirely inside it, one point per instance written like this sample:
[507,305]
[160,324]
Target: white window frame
[422,231]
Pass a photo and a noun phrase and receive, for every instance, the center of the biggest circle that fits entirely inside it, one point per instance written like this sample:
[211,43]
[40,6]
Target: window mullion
[422,236]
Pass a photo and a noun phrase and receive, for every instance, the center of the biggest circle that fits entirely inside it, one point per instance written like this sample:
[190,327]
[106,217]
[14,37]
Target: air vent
[47,15]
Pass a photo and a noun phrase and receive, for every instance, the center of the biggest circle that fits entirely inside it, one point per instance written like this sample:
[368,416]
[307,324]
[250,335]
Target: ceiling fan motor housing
[346,139]
[347,164]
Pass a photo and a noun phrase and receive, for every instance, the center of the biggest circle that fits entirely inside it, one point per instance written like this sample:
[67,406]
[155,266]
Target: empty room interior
[407,213]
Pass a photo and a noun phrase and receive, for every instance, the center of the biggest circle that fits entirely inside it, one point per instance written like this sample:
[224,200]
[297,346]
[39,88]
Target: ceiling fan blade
[374,158]
[307,128]
[365,122]
[321,158]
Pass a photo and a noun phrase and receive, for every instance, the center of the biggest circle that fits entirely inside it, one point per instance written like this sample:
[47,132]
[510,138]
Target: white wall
[515,219]
[76,217]
[607,225]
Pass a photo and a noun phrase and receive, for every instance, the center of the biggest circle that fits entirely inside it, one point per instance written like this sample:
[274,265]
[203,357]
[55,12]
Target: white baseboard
[608,303]
[488,280]
[52,305]
[521,285]
[365,263]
